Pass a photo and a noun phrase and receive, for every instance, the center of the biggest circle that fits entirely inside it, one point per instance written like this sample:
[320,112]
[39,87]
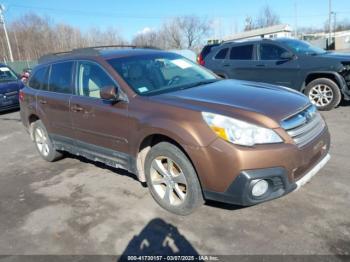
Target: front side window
[302,47]
[60,80]
[91,79]
[38,80]
[243,52]
[270,52]
[160,73]
[222,54]
[6,74]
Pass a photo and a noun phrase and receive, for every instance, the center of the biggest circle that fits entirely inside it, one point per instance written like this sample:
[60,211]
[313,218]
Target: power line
[151,16]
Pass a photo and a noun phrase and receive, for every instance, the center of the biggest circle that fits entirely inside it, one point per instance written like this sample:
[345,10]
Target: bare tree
[177,33]
[171,34]
[267,18]
[249,24]
[193,29]
[148,38]
[32,36]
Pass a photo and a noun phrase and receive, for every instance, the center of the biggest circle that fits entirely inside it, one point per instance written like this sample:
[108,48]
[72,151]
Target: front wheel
[172,180]
[323,93]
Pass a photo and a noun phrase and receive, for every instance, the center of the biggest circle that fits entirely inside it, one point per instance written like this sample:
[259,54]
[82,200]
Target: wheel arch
[334,76]
[31,119]
[148,142]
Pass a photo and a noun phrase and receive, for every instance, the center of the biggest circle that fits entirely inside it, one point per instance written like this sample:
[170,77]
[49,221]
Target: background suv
[323,76]
[10,85]
[190,135]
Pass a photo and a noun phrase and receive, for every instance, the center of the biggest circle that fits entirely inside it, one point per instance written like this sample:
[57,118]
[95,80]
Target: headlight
[240,132]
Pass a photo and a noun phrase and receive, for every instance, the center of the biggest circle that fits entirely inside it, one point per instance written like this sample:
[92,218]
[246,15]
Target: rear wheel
[43,142]
[172,179]
[323,93]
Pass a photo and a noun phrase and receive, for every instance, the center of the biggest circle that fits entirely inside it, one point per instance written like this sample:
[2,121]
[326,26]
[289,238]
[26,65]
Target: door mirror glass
[287,55]
[109,93]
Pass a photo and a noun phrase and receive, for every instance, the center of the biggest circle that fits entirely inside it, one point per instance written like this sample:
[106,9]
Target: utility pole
[296,19]
[334,23]
[2,21]
[330,22]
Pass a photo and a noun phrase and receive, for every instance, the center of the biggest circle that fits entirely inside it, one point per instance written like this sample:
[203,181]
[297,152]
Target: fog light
[260,187]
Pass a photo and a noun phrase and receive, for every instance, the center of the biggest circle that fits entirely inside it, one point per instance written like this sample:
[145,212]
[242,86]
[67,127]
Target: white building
[266,32]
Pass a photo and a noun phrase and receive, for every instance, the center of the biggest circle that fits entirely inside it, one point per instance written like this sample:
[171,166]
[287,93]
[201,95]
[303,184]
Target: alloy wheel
[42,142]
[169,181]
[321,95]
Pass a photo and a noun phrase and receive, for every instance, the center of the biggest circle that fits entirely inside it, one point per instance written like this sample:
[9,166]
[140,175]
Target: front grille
[304,126]
[12,93]
[277,183]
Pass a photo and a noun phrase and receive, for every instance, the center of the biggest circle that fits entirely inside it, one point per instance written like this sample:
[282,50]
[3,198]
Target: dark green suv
[322,76]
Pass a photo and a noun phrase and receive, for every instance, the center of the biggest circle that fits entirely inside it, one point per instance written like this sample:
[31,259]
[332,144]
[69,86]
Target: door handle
[260,65]
[226,65]
[42,101]
[77,108]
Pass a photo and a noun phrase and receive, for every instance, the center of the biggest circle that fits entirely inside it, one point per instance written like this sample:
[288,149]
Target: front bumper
[239,192]
[8,107]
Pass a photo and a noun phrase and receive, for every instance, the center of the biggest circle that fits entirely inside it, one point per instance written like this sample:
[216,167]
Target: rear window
[38,79]
[61,78]
[206,50]
[243,52]
[222,54]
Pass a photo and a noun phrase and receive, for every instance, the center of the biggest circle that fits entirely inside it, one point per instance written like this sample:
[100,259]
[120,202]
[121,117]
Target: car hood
[6,87]
[240,98]
[337,56]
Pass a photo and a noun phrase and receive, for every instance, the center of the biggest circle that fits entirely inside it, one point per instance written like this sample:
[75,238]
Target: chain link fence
[18,66]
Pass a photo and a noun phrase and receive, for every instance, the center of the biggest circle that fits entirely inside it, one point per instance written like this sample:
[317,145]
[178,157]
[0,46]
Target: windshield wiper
[199,83]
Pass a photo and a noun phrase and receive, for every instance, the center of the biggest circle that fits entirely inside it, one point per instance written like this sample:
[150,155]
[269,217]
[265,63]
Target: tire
[172,180]
[324,93]
[43,143]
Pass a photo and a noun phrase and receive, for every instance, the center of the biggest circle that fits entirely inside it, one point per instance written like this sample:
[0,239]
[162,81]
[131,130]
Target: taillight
[200,60]
[21,95]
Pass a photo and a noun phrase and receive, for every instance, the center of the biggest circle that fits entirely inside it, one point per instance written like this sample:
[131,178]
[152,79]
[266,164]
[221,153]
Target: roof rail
[92,50]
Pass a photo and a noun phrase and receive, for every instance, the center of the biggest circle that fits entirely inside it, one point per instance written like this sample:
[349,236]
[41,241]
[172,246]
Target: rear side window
[39,80]
[61,78]
[270,52]
[221,54]
[243,52]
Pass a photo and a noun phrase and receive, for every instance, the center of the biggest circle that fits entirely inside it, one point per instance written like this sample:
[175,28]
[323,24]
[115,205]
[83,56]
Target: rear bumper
[239,192]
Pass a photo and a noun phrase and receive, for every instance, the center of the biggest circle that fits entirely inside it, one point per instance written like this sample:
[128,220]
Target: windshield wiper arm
[199,83]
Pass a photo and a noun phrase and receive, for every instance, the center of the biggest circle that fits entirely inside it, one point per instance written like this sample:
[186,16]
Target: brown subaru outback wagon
[189,134]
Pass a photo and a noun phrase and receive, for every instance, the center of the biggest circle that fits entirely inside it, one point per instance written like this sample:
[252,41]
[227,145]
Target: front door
[100,127]
[275,70]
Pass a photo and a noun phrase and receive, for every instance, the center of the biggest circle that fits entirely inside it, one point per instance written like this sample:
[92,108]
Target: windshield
[6,74]
[302,47]
[160,73]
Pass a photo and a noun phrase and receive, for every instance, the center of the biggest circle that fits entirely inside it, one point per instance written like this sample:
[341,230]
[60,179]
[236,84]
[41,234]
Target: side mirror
[287,55]
[110,94]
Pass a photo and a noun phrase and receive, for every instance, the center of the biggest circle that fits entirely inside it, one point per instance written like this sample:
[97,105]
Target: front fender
[185,134]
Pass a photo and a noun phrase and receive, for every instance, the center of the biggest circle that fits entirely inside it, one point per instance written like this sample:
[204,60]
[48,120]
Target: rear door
[241,62]
[275,70]
[100,127]
[54,99]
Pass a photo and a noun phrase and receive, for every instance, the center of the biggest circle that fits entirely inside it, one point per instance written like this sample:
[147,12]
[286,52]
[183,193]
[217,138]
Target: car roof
[99,52]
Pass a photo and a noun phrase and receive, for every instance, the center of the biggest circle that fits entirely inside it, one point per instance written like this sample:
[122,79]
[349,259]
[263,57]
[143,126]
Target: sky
[134,16]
